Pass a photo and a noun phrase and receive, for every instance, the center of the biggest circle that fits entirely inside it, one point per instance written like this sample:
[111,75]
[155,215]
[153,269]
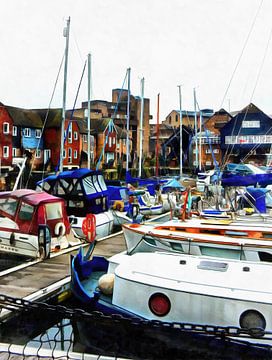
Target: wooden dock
[43,279]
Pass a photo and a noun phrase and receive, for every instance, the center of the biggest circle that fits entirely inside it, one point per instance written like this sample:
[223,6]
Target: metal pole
[196,149]
[65,34]
[157,140]
[180,131]
[128,117]
[141,127]
[89,114]
[200,138]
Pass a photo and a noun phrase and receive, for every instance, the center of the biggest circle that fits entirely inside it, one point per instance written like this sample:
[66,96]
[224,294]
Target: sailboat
[84,190]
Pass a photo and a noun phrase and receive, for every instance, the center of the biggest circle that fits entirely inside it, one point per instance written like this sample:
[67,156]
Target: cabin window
[265,256]
[222,253]
[5,151]
[88,186]
[14,130]
[5,128]
[26,212]
[8,206]
[27,132]
[176,246]
[53,211]
[102,182]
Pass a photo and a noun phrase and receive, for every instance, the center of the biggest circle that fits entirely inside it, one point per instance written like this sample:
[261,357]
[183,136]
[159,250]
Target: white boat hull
[104,225]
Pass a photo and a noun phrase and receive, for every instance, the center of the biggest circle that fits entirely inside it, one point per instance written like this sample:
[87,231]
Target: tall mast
[66,32]
[141,127]
[200,139]
[196,149]
[89,114]
[157,140]
[180,131]
[128,118]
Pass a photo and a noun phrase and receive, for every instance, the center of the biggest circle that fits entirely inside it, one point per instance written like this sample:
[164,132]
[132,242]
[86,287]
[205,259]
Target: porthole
[159,304]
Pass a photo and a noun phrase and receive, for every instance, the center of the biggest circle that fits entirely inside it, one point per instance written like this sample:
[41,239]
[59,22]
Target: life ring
[89,227]
[60,229]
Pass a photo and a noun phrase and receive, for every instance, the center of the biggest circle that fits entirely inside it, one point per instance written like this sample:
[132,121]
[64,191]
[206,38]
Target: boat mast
[180,131]
[196,149]
[128,118]
[200,139]
[65,34]
[89,114]
[157,140]
[141,127]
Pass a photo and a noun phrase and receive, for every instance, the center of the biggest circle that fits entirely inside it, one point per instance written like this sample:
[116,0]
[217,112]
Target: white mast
[196,149]
[141,127]
[180,131]
[89,113]
[128,116]
[200,138]
[65,34]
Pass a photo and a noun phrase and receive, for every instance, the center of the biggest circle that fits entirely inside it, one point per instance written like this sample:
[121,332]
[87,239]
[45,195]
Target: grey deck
[29,280]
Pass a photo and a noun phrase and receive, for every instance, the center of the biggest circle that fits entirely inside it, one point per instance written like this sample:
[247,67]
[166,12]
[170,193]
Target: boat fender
[135,209]
[12,239]
[60,229]
[118,205]
[89,227]
[106,283]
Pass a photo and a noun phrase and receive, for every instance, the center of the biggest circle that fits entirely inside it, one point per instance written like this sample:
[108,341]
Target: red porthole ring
[159,304]
[254,322]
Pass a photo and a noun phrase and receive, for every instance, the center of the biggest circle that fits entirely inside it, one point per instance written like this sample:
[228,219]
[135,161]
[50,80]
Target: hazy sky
[196,43]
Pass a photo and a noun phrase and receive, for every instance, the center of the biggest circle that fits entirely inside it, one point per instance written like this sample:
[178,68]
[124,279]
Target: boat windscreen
[8,205]
[102,183]
[53,211]
[89,186]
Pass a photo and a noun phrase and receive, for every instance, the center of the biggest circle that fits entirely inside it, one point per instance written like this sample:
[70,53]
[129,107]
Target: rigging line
[242,52]
[255,86]
[77,47]
[114,113]
[72,113]
[45,121]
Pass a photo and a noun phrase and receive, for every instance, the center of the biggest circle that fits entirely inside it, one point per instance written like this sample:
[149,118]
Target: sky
[221,48]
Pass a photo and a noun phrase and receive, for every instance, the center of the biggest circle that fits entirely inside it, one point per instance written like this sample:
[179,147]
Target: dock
[40,280]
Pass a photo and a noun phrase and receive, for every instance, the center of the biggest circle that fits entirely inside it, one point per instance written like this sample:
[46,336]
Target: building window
[5,128]
[38,133]
[70,134]
[113,140]
[176,118]
[13,152]
[27,132]
[14,130]
[5,151]
[75,135]
[110,141]
[84,138]
[75,154]
[64,154]
[170,119]
[216,151]
[69,155]
[251,124]
[208,151]
[38,153]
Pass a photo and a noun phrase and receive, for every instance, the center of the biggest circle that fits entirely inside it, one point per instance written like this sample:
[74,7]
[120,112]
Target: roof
[25,118]
[31,196]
